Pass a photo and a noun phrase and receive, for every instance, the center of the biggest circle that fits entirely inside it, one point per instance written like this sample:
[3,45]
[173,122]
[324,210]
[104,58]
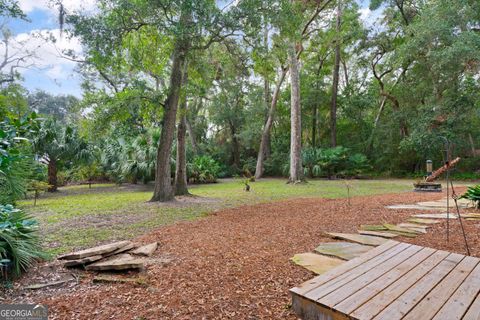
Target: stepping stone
[442,204]
[403,231]
[410,206]
[122,249]
[424,221]
[358,238]
[410,226]
[342,250]
[435,216]
[146,250]
[100,250]
[471,216]
[378,234]
[119,262]
[82,262]
[316,262]
[373,227]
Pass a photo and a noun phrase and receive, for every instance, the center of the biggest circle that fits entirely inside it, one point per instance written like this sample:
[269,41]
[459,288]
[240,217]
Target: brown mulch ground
[235,264]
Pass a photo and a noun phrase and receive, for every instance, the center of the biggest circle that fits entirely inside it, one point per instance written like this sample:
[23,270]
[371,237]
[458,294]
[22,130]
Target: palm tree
[56,145]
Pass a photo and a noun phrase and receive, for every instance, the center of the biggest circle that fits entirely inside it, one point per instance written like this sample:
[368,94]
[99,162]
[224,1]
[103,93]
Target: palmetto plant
[19,242]
[131,159]
[56,144]
[14,157]
[473,194]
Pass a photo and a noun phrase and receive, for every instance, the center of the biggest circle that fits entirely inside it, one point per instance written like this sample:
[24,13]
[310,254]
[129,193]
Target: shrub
[332,162]
[19,242]
[357,165]
[473,194]
[203,169]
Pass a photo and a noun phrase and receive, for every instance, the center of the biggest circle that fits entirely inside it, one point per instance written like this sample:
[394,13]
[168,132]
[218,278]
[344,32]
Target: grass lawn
[77,216]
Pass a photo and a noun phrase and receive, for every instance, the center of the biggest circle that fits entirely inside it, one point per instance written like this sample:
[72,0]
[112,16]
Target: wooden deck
[394,281]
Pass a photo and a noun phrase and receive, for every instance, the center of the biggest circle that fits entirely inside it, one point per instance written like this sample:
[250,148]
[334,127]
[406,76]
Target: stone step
[95,251]
[315,262]
[382,234]
[342,250]
[358,238]
[424,221]
[146,250]
[122,261]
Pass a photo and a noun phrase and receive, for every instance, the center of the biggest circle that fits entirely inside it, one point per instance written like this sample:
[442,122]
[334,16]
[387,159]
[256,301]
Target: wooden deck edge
[307,309]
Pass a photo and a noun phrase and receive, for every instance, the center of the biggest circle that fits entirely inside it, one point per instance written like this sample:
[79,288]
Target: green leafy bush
[19,241]
[15,162]
[473,194]
[332,162]
[203,169]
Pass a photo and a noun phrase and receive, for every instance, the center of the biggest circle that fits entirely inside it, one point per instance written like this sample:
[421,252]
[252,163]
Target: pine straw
[235,264]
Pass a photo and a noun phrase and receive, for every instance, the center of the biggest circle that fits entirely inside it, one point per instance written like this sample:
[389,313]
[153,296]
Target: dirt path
[235,263]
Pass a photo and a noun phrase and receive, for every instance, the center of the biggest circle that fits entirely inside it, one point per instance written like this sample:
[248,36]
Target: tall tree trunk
[266,88]
[181,188]
[314,125]
[192,114]
[472,145]
[235,147]
[296,170]
[191,134]
[336,69]
[163,181]
[264,142]
[375,125]
[52,175]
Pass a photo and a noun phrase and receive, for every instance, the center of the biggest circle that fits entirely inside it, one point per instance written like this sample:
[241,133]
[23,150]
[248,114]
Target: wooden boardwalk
[394,281]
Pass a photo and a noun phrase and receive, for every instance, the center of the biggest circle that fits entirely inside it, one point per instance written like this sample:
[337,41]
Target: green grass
[78,217]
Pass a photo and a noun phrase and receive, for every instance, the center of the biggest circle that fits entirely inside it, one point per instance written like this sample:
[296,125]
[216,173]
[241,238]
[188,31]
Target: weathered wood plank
[351,303]
[341,293]
[435,300]
[473,312]
[459,302]
[343,279]
[404,303]
[345,267]
[383,298]
[307,310]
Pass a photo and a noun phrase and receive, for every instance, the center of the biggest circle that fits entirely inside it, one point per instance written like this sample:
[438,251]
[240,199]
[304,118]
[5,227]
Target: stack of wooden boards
[122,255]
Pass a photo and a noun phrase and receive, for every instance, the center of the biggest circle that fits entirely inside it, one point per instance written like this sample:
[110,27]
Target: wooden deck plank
[429,306]
[393,291]
[333,284]
[459,302]
[369,291]
[404,303]
[342,293]
[347,266]
[473,312]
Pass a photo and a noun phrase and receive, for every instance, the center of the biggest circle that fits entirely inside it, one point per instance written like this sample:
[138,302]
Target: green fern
[473,194]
